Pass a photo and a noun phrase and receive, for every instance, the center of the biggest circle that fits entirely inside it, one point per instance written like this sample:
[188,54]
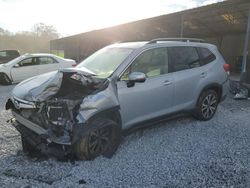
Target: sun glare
[76,16]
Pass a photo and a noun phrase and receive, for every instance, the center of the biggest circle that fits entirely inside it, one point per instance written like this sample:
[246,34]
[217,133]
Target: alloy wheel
[99,141]
[209,105]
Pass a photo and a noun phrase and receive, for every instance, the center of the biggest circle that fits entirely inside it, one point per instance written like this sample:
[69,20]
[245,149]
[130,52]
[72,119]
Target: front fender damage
[64,104]
[93,104]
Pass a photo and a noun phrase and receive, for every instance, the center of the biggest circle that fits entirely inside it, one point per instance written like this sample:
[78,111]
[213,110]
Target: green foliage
[35,41]
[43,30]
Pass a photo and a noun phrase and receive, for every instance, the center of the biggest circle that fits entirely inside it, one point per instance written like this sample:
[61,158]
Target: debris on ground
[182,152]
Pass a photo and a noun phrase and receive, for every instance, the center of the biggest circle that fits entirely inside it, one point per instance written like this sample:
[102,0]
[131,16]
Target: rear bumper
[224,92]
[223,98]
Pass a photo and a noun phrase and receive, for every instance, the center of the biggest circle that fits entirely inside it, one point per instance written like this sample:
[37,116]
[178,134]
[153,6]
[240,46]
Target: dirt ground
[179,153]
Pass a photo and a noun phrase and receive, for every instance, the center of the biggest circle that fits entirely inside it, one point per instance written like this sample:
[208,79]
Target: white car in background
[30,65]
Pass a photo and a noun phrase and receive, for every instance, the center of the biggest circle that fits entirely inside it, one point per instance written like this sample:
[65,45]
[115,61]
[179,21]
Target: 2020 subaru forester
[82,111]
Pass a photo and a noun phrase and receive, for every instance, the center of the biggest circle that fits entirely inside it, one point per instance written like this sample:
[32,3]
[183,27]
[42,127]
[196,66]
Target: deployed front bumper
[30,122]
[39,139]
[30,125]
[41,144]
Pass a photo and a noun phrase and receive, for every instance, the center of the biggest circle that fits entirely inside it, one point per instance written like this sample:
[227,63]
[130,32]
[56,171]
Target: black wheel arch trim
[82,129]
[3,73]
[113,113]
[211,86]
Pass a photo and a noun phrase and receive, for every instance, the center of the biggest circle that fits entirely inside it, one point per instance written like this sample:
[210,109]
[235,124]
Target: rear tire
[207,105]
[103,138]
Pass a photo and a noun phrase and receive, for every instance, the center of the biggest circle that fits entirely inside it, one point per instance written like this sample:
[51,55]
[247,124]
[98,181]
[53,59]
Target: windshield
[104,62]
[13,61]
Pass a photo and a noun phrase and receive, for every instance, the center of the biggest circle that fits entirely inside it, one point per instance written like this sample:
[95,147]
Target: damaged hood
[40,88]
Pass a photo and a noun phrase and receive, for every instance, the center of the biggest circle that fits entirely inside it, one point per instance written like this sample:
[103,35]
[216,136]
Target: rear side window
[28,62]
[183,57]
[46,60]
[206,56]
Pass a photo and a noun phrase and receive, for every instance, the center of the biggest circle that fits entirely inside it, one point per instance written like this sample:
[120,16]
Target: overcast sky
[75,16]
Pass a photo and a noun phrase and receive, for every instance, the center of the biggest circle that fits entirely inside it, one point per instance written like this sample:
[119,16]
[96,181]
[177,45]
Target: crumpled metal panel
[98,102]
[45,90]
[41,88]
[38,88]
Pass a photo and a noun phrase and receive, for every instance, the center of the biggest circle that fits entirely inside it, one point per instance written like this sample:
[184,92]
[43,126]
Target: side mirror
[16,66]
[135,77]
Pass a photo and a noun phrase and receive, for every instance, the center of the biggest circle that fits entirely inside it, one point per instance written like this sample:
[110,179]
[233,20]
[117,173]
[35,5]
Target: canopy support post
[245,52]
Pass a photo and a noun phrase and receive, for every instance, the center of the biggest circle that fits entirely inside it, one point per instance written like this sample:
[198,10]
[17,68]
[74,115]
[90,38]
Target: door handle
[167,82]
[203,75]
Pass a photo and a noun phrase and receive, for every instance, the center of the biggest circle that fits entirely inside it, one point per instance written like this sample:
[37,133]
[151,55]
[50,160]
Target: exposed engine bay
[59,106]
[57,116]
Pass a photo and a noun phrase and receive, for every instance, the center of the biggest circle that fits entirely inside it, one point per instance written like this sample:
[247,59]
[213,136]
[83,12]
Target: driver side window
[152,63]
[28,62]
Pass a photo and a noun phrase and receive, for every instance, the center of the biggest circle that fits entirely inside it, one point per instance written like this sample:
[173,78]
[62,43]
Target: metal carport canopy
[215,20]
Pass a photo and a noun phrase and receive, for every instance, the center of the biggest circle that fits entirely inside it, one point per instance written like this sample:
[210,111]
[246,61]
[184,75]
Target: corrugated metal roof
[214,23]
[228,17]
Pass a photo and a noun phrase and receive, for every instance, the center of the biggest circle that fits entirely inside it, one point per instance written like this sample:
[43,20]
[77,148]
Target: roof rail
[175,39]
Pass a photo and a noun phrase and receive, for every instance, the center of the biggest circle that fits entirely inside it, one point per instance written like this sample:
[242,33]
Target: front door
[25,69]
[150,99]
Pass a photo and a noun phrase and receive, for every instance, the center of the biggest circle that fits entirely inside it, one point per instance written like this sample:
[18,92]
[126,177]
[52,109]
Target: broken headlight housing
[59,117]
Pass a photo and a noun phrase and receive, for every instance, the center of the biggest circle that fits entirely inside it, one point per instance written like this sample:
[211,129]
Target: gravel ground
[178,153]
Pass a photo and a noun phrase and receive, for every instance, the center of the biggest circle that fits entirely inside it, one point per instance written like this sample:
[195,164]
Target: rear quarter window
[183,57]
[206,55]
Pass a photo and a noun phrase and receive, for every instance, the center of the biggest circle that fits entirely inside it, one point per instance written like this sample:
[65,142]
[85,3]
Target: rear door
[152,98]
[188,75]
[25,69]
[47,64]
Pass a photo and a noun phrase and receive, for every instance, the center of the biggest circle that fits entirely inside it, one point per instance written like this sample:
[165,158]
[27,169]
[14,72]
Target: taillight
[226,67]
[73,65]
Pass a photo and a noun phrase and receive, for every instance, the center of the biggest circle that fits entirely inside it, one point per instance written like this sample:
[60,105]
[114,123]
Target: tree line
[35,41]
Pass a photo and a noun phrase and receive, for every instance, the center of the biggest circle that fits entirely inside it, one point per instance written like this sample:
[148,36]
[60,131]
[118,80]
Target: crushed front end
[50,111]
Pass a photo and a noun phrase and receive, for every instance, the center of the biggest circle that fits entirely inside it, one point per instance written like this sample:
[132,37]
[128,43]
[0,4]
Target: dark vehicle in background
[7,55]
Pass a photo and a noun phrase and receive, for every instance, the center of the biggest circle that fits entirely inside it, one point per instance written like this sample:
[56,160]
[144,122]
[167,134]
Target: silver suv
[83,111]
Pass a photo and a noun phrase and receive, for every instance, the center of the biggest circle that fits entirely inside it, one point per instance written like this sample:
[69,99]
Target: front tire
[5,79]
[27,147]
[103,138]
[207,105]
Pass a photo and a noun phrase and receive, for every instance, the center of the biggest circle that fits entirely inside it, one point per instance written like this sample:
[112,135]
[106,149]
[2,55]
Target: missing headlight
[58,117]
[56,113]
